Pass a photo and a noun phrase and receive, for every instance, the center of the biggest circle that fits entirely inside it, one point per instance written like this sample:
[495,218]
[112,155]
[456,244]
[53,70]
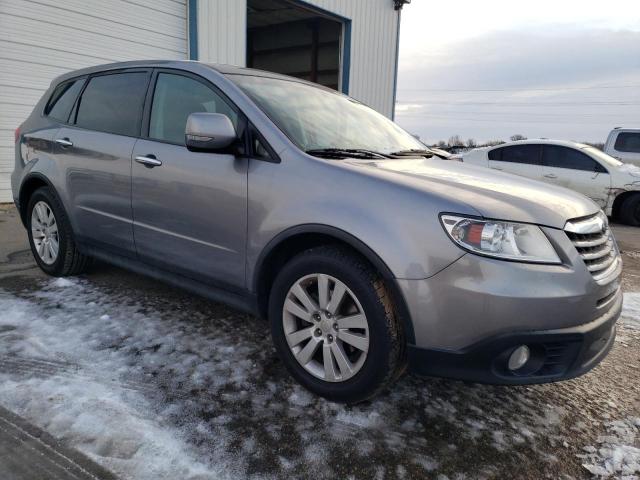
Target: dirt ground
[152,382]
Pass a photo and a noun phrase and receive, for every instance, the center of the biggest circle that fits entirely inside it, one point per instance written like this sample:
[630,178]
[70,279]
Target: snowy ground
[153,383]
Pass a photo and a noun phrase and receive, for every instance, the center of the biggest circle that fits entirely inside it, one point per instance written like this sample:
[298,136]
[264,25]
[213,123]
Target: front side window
[175,98]
[61,102]
[564,157]
[527,154]
[315,118]
[113,103]
[628,142]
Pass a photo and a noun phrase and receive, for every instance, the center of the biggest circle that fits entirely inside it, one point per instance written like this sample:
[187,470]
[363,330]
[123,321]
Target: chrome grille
[594,242]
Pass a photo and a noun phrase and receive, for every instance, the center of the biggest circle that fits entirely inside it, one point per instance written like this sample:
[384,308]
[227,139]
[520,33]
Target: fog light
[518,358]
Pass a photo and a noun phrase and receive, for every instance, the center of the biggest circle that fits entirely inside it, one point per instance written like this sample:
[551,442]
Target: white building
[350,45]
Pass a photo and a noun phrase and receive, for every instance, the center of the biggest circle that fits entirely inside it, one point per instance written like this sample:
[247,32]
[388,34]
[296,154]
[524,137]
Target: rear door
[523,160]
[573,169]
[95,151]
[190,209]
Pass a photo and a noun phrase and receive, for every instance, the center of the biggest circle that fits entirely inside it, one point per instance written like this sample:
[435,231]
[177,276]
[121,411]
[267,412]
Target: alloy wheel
[44,231]
[325,327]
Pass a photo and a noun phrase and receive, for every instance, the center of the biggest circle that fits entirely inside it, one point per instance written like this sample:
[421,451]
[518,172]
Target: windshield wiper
[345,153]
[424,152]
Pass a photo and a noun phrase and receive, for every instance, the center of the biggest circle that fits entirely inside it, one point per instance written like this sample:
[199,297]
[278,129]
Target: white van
[624,144]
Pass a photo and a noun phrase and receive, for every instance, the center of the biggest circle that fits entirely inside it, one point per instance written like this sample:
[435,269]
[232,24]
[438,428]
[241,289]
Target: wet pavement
[149,381]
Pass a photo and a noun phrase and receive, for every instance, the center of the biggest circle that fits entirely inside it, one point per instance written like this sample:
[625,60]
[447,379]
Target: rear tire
[50,236]
[377,360]
[630,210]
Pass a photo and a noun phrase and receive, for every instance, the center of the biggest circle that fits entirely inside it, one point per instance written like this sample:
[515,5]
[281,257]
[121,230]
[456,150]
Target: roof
[218,67]
[544,141]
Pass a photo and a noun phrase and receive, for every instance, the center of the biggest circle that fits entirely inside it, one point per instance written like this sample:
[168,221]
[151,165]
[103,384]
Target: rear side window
[61,102]
[175,98]
[528,154]
[495,154]
[628,142]
[564,157]
[113,103]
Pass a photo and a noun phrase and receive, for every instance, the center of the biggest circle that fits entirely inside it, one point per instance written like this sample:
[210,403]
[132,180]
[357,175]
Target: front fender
[401,225]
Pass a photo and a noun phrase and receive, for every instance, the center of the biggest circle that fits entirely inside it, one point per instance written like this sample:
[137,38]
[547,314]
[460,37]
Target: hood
[492,194]
[629,169]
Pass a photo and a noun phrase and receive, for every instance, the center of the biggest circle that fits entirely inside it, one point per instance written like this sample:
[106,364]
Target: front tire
[334,326]
[630,211]
[50,236]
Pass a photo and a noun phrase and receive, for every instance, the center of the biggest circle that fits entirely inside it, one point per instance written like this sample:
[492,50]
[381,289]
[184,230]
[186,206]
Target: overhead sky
[485,70]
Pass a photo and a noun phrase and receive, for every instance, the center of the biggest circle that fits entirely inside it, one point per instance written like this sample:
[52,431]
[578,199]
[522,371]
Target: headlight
[506,240]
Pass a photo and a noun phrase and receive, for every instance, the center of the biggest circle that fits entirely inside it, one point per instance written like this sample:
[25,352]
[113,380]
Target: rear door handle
[496,168]
[550,175]
[65,142]
[148,161]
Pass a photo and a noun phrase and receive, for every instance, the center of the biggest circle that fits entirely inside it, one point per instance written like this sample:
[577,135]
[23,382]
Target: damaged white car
[612,184]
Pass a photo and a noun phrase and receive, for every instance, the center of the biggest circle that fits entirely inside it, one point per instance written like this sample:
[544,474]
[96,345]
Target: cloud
[526,59]
[551,80]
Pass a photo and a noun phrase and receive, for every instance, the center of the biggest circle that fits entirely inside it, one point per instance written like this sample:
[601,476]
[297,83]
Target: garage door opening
[287,38]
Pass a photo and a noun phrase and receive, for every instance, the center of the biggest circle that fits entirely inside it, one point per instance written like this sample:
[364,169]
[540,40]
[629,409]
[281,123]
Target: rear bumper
[555,354]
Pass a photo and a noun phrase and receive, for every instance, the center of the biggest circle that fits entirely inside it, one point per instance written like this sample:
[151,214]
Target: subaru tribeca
[296,203]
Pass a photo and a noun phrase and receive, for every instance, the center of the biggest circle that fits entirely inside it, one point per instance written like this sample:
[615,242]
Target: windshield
[315,119]
[603,157]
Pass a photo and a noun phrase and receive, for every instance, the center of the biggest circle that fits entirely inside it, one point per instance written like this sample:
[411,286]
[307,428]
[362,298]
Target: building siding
[41,40]
[374,25]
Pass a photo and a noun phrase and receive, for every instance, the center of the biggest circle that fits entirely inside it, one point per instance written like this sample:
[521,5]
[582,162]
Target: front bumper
[555,354]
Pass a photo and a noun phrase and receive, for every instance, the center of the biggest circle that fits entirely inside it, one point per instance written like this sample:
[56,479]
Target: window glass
[175,98]
[317,118]
[528,154]
[62,100]
[564,157]
[113,103]
[259,148]
[628,142]
[495,154]
[603,157]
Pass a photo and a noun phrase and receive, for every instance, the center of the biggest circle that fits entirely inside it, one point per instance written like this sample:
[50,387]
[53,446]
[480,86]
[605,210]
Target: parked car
[624,144]
[612,184]
[296,203]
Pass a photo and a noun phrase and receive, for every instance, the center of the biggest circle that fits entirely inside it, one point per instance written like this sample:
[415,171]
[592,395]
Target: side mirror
[209,131]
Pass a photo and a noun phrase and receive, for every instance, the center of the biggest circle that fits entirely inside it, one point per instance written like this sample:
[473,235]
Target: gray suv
[285,199]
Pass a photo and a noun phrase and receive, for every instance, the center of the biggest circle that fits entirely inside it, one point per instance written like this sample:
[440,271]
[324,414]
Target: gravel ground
[152,382]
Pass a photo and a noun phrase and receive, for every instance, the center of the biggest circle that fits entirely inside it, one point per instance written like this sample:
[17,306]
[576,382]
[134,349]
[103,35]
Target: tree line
[456,142]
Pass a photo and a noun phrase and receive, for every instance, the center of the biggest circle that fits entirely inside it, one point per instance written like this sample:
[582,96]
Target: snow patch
[617,453]
[63,283]
[631,310]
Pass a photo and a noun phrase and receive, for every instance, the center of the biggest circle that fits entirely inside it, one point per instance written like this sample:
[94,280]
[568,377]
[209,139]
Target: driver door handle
[148,161]
[550,175]
[65,142]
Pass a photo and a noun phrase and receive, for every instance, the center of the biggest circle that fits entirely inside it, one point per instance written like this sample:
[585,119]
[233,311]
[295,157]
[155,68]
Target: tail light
[17,135]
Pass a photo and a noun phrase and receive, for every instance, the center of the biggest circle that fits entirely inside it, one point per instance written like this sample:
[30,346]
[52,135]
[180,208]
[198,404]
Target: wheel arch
[619,200]
[294,240]
[29,185]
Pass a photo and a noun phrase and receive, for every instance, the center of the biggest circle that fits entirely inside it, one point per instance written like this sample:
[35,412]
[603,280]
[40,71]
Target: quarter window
[113,103]
[628,142]
[564,157]
[61,102]
[528,154]
[175,98]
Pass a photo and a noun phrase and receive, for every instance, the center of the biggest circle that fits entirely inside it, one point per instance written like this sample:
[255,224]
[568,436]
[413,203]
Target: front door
[577,171]
[190,208]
